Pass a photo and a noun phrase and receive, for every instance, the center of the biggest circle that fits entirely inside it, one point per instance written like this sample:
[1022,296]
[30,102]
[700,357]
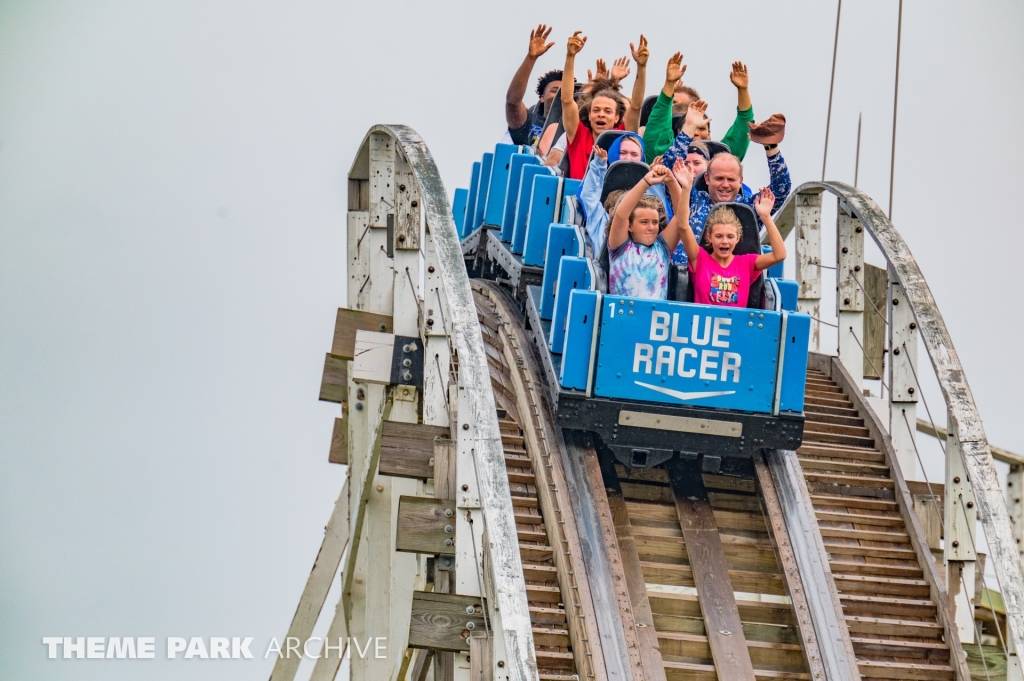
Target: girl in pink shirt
[721,277]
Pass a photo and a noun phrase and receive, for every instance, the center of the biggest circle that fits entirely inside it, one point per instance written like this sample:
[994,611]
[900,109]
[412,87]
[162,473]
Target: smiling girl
[639,241]
[721,277]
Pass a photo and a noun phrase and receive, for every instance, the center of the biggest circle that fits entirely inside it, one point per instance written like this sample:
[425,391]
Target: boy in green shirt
[658,134]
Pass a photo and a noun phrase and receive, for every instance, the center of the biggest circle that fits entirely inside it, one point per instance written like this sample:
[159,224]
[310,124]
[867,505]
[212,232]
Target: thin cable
[931,494]
[868,298]
[856,165]
[822,321]
[895,103]
[831,88]
[880,379]
[927,410]
[974,547]
[824,267]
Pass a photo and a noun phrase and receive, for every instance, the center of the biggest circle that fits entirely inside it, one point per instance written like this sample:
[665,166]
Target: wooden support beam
[317,585]
[876,283]
[349,322]
[334,384]
[790,568]
[339,443]
[998,453]
[440,621]
[407,449]
[422,524]
[480,656]
[710,572]
[420,665]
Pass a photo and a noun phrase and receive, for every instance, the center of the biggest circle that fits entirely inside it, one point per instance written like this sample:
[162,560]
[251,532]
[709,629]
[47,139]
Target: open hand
[764,203]
[601,70]
[640,54]
[683,174]
[675,69]
[601,153]
[575,44]
[538,41]
[695,115]
[620,68]
[739,76]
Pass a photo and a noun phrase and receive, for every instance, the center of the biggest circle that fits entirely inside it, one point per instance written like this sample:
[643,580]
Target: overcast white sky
[172,215]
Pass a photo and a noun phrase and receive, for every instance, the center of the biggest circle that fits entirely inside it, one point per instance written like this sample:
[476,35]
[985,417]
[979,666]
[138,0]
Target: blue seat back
[459,210]
[563,240]
[580,344]
[474,191]
[793,355]
[530,172]
[544,210]
[573,274]
[495,207]
[515,176]
[481,194]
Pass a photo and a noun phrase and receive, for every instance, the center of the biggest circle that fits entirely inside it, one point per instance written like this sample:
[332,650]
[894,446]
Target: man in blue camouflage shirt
[724,176]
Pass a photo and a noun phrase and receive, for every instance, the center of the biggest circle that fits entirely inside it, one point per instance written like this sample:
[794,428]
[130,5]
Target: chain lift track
[487,534]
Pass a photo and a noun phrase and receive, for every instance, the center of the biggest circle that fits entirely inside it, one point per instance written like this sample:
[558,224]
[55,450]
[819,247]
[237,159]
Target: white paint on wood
[373,354]
[358,268]
[808,259]
[1014,496]
[849,293]
[959,514]
[382,178]
[903,388]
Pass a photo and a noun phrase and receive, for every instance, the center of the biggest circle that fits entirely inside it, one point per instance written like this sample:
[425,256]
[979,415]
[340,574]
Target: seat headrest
[645,110]
[606,138]
[623,175]
[751,241]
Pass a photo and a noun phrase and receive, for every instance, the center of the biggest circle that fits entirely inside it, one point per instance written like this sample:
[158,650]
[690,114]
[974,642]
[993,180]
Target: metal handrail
[964,418]
[508,583]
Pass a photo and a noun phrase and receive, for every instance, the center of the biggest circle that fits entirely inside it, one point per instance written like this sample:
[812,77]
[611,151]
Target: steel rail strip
[963,412]
[504,561]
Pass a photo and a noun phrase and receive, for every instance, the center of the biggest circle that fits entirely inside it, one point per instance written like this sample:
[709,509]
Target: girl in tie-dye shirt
[639,241]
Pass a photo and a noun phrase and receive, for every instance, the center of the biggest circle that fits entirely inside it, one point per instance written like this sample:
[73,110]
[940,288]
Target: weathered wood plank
[348,322]
[422,525]
[439,621]
[334,384]
[339,443]
[636,588]
[407,449]
[710,572]
[779,533]
[480,651]
[876,283]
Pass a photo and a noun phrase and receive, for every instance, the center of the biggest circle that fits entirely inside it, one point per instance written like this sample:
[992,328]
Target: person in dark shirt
[526,125]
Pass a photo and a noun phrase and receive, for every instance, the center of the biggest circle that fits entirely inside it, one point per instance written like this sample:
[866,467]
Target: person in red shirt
[604,110]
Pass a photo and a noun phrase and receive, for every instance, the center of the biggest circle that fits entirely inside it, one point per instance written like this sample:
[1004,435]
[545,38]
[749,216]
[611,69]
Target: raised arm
[571,112]
[636,102]
[678,183]
[682,178]
[658,133]
[618,234]
[695,118]
[737,136]
[515,109]
[763,204]
[781,183]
